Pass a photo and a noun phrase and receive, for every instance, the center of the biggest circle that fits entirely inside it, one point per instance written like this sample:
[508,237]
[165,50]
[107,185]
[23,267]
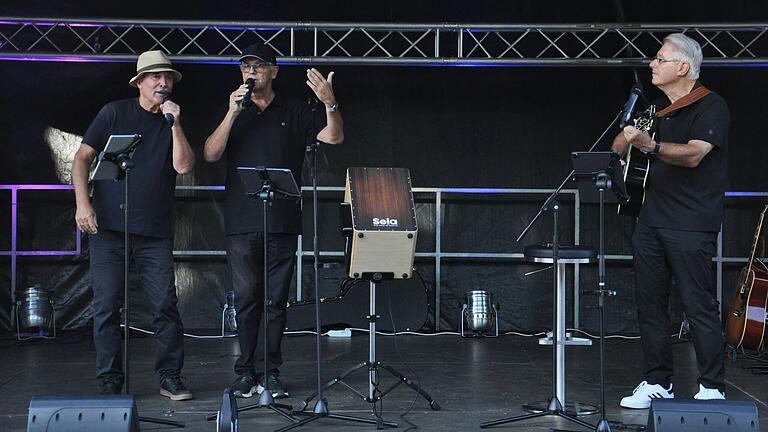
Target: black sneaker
[244,386]
[275,386]
[111,386]
[173,387]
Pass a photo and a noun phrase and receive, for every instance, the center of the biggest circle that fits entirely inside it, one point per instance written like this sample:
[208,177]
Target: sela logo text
[384,222]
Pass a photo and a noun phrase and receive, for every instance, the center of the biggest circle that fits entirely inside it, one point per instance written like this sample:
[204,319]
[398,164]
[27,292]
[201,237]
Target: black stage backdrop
[452,127]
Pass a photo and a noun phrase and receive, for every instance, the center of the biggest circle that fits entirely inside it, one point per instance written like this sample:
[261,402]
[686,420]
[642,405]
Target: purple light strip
[65,59]
[14,252]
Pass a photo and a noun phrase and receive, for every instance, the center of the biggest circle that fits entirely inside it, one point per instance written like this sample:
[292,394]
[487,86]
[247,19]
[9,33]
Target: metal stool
[566,255]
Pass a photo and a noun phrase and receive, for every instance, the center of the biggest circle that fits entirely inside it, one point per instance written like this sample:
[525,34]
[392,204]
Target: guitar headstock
[645,120]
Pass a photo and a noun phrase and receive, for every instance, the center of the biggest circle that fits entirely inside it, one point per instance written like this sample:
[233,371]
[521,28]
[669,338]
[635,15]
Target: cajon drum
[383,222]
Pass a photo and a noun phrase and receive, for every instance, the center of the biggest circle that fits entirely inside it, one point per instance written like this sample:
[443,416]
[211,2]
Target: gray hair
[688,51]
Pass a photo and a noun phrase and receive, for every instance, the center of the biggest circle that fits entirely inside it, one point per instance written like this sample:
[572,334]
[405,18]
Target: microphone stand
[552,197]
[321,406]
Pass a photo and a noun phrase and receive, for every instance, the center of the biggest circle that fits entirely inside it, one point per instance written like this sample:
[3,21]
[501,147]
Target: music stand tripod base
[373,366]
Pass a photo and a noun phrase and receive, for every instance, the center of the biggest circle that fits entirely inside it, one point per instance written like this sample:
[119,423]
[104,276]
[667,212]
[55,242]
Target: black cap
[260,51]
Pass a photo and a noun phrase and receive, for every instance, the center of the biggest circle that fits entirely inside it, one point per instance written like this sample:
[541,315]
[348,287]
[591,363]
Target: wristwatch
[332,108]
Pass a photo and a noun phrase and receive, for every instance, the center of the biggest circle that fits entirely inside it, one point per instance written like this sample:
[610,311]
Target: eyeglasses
[256,67]
[663,60]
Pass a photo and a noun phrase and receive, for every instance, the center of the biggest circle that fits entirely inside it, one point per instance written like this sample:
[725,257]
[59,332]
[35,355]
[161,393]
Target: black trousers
[661,255]
[245,254]
[153,258]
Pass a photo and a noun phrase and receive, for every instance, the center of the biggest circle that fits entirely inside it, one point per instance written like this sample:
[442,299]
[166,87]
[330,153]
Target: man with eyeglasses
[678,224]
[268,130]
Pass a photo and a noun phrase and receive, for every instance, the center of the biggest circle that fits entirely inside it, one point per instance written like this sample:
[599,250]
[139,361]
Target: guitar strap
[697,93]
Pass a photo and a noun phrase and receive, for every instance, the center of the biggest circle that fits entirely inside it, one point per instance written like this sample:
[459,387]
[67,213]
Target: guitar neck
[758,237]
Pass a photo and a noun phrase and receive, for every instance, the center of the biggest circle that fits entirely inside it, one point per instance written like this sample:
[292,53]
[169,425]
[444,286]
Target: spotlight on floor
[479,315]
[35,317]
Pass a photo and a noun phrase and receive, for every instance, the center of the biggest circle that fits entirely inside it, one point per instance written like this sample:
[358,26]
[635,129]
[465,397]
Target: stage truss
[396,44]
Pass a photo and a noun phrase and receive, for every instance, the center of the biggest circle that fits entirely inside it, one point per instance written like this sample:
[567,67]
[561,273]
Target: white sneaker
[708,393]
[643,393]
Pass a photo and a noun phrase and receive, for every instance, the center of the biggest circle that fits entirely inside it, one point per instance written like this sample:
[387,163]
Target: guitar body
[408,298]
[745,325]
[637,165]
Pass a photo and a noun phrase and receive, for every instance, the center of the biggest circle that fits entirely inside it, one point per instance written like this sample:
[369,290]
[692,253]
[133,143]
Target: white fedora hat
[154,61]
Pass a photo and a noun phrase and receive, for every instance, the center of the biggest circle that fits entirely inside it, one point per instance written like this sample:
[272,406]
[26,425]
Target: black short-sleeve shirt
[275,138]
[152,179]
[690,199]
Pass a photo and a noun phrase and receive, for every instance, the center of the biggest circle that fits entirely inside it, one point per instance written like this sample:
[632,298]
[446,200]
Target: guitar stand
[374,366]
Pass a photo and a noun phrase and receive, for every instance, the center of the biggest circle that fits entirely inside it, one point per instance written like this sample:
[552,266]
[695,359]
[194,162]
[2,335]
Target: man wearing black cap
[270,131]
[163,153]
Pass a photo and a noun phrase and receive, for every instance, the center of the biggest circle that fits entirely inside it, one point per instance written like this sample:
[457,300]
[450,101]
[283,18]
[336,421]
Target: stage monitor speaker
[114,413]
[383,222]
[669,415]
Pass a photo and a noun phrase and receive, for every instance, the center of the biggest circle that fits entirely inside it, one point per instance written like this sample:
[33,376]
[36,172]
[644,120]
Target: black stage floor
[474,380]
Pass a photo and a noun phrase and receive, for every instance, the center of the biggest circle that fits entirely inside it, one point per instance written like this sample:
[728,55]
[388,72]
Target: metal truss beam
[405,44]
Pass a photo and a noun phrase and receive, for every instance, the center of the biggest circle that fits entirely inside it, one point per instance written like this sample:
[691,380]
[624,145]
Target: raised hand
[323,87]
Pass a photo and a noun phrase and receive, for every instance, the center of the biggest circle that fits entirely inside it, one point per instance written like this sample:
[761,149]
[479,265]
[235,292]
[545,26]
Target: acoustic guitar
[745,325]
[637,163]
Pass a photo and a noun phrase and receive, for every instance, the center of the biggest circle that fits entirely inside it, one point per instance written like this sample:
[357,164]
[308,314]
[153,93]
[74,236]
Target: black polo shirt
[690,199]
[152,180]
[274,138]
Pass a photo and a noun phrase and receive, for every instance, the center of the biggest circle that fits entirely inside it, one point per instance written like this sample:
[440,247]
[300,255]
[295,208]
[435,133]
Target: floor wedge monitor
[670,415]
[114,413]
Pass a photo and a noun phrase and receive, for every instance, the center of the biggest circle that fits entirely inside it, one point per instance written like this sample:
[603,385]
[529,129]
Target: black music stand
[594,173]
[114,163]
[267,185]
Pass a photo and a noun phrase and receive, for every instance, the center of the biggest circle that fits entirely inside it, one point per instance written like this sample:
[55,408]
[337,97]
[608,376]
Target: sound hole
[125,416]
[57,416]
[79,416]
[728,422]
[658,420]
[34,417]
[682,420]
[706,421]
[102,416]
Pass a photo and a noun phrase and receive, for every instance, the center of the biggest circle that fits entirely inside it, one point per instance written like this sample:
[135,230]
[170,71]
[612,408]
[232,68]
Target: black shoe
[111,386]
[244,386]
[173,387]
[275,386]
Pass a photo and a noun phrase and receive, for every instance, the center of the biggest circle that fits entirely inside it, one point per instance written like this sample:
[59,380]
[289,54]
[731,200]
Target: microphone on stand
[246,102]
[168,116]
[629,107]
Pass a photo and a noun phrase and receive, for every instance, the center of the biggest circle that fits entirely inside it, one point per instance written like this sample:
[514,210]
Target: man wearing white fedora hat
[163,153]
[262,127]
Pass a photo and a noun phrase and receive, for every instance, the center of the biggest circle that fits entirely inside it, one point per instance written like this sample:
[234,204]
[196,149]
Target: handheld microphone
[247,98]
[629,107]
[168,116]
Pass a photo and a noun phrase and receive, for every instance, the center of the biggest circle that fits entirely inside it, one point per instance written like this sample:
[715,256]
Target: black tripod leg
[405,380]
[314,417]
[278,409]
[512,419]
[362,420]
[577,421]
[338,379]
[161,421]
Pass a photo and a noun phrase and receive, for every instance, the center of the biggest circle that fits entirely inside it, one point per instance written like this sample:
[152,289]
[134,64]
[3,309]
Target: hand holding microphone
[249,92]
[170,117]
